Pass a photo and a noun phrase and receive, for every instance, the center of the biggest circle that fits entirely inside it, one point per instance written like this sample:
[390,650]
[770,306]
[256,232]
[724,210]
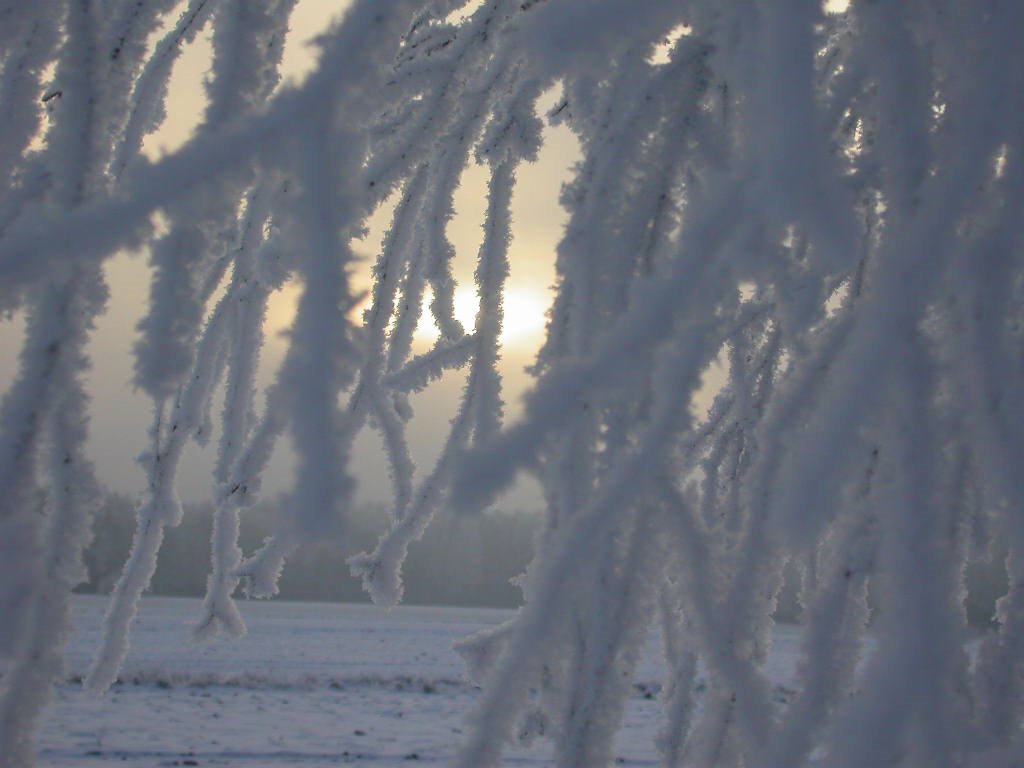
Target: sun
[523,323]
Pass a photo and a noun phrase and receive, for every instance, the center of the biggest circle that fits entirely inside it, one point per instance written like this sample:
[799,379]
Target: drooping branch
[815,214]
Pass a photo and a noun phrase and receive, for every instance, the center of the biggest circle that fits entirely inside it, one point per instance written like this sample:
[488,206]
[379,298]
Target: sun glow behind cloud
[525,314]
[523,324]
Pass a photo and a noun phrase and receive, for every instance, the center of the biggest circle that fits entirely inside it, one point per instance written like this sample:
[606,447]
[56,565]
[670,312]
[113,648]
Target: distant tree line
[459,561]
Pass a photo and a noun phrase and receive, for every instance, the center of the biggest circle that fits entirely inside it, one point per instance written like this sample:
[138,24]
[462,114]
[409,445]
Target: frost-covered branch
[810,217]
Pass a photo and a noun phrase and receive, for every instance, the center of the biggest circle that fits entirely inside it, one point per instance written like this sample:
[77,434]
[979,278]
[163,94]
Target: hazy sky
[121,417]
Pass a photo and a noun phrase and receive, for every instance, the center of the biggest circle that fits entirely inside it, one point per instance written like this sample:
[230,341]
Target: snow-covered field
[310,685]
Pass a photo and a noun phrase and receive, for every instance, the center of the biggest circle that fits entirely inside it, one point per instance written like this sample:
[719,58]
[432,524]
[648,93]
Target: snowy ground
[310,685]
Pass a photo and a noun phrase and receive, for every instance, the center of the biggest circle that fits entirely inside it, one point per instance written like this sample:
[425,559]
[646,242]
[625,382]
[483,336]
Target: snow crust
[310,684]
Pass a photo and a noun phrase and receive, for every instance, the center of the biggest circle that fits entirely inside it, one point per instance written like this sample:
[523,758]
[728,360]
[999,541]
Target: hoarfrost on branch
[829,201]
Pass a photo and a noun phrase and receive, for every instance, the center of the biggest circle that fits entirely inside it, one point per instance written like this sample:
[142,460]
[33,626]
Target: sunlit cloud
[525,310]
[523,324]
